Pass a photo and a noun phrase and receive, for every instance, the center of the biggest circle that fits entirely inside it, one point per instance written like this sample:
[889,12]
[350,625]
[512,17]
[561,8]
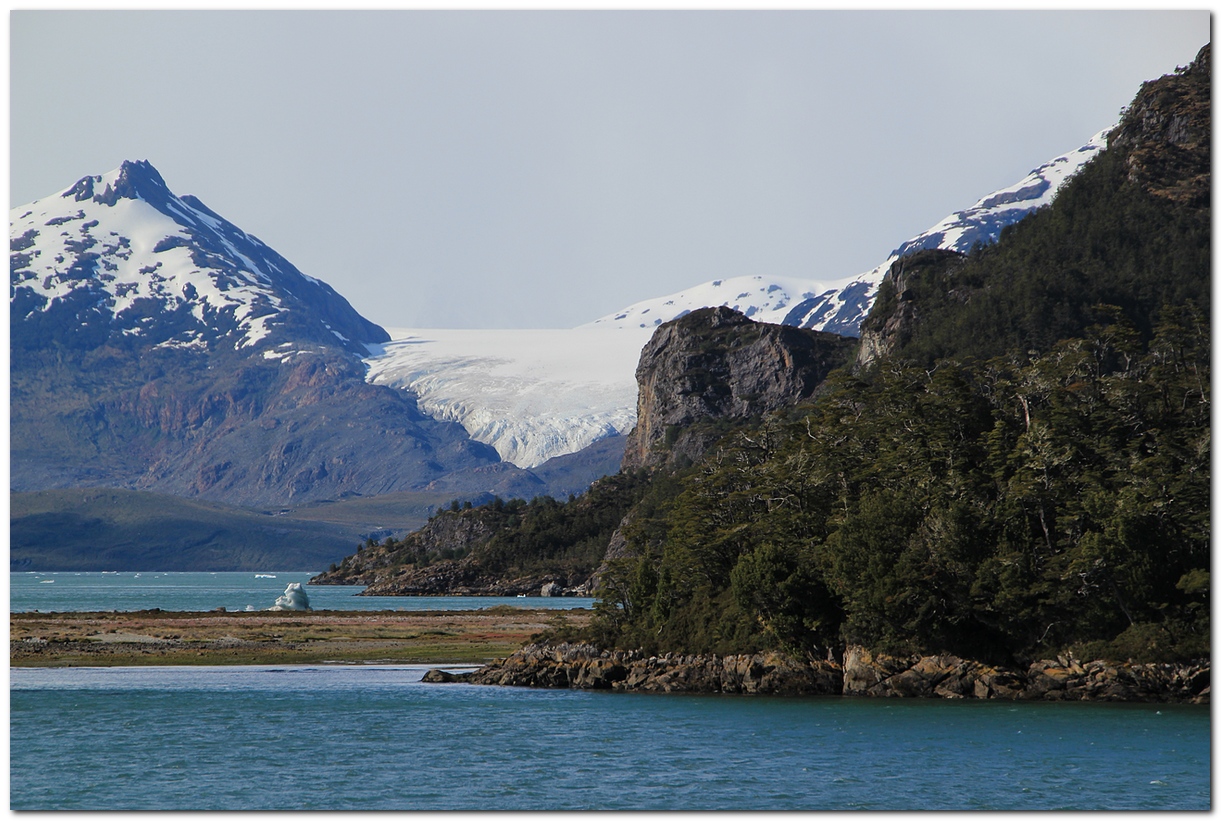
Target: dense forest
[504,538]
[1007,509]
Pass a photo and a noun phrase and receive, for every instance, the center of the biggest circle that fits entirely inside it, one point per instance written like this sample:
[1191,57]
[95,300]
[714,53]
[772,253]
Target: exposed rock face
[585,667]
[1061,679]
[893,319]
[712,365]
[1167,134]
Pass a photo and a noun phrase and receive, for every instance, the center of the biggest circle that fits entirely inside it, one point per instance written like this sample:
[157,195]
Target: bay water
[375,737]
[71,592]
[361,737]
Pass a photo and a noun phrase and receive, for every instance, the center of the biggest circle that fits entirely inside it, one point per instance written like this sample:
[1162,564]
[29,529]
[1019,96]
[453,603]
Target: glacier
[530,393]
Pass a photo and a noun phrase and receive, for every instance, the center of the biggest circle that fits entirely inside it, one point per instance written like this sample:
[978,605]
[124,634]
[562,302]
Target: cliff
[1166,134]
[892,321]
[716,366]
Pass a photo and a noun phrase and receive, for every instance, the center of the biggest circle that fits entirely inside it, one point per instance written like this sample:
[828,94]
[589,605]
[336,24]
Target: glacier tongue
[531,394]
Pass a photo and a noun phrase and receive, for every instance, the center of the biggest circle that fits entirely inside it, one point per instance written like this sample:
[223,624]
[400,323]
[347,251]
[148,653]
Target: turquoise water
[368,737]
[77,592]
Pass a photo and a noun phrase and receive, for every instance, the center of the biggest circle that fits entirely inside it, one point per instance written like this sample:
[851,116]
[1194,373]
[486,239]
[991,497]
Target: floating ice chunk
[294,598]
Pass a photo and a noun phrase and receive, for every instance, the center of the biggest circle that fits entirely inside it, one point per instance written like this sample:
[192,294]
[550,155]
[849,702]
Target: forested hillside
[482,549]
[1018,507]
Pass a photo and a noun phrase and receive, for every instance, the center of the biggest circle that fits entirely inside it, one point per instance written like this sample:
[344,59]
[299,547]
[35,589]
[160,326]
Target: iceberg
[294,598]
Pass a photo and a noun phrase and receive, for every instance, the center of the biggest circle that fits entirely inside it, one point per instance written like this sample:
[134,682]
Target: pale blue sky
[541,169]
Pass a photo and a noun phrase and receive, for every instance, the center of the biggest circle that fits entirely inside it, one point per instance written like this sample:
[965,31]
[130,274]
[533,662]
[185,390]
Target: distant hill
[108,529]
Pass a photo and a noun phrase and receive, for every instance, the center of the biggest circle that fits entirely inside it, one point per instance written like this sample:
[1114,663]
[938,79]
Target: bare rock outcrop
[1166,134]
[585,667]
[715,364]
[863,673]
[893,319]
[1061,679]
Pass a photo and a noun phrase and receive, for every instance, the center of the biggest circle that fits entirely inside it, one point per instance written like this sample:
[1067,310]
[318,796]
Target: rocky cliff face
[1167,134]
[713,366]
[895,313]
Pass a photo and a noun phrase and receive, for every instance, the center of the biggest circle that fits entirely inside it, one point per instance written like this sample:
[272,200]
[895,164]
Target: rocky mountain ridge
[840,304]
[141,265]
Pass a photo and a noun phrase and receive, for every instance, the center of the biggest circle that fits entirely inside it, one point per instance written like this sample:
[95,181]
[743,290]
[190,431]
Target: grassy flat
[263,637]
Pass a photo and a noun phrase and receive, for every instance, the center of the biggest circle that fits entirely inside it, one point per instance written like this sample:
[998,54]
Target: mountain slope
[106,529]
[156,346]
[840,305]
[165,271]
[1131,236]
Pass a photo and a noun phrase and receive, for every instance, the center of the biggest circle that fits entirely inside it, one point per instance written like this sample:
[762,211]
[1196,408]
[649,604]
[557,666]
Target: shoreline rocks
[862,673]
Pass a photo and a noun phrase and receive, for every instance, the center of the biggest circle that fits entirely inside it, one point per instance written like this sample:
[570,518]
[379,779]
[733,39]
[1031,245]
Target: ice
[530,393]
[294,598]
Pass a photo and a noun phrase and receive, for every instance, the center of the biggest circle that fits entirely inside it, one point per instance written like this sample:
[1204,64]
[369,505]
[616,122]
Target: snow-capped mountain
[531,394]
[536,394]
[840,305]
[123,255]
[763,299]
[157,346]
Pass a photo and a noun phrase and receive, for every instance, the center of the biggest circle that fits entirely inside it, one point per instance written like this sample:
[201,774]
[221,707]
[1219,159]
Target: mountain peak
[134,179]
[119,254]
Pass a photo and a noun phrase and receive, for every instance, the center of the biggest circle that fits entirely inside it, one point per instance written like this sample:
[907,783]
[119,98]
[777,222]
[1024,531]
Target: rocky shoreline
[862,673]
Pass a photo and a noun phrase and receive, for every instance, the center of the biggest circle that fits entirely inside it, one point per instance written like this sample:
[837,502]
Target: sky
[511,169]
